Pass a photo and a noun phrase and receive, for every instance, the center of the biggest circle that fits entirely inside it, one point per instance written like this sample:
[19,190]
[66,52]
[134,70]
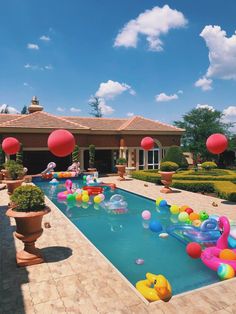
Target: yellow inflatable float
[154,288]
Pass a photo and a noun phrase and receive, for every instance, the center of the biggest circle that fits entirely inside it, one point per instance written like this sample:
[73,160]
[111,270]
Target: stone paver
[77,279]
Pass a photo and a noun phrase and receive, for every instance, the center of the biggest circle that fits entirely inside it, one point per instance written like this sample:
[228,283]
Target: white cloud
[211,108]
[25,84]
[180,91]
[11,110]
[45,38]
[60,109]
[222,52]
[230,116]
[33,46]
[73,109]
[152,24]
[32,67]
[204,83]
[111,89]
[105,109]
[130,114]
[48,67]
[163,97]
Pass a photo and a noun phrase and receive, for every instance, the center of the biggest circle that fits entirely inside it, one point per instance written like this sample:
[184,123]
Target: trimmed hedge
[149,176]
[226,190]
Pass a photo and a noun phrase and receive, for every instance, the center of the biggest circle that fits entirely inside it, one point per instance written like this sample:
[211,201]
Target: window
[141,159]
[153,159]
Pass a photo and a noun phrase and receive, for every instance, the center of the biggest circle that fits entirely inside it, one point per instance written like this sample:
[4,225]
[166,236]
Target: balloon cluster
[154,225]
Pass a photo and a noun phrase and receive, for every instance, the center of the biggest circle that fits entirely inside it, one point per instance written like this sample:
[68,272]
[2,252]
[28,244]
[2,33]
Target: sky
[154,58]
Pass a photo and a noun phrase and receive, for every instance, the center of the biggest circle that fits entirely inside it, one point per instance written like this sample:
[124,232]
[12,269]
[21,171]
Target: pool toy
[146,214]
[163,235]
[207,234]
[203,215]
[112,186]
[75,167]
[182,208]
[194,216]
[93,190]
[64,174]
[225,271]
[194,249]
[160,202]
[54,181]
[63,195]
[189,210]
[211,255]
[174,209]
[50,167]
[116,204]
[139,261]
[217,143]
[47,175]
[227,254]
[154,288]
[155,226]
[97,199]
[183,216]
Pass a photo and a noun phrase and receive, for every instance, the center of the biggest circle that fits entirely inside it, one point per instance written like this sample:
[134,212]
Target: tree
[91,155]
[94,103]
[199,124]
[175,154]
[24,110]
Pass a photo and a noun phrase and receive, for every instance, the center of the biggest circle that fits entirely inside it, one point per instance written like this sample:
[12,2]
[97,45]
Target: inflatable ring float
[154,288]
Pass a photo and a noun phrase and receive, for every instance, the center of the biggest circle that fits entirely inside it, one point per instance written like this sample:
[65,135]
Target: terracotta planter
[28,230]
[13,184]
[166,180]
[121,171]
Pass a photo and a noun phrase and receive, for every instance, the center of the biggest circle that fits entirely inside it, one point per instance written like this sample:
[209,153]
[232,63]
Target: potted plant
[167,168]
[121,165]
[14,175]
[28,208]
[91,158]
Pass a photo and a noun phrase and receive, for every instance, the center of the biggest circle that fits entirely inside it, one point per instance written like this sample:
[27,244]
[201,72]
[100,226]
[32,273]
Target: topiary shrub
[14,170]
[75,154]
[27,198]
[169,166]
[175,154]
[19,155]
[91,155]
[209,165]
[121,161]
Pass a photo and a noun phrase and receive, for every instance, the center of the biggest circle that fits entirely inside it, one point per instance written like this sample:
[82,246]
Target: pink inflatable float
[63,195]
[210,256]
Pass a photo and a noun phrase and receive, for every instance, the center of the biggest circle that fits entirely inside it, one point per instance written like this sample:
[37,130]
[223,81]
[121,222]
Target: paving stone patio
[76,278]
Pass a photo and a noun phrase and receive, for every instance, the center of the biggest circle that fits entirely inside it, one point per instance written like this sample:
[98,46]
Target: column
[81,159]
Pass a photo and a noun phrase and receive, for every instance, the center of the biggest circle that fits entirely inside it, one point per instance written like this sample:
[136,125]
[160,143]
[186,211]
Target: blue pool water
[122,238]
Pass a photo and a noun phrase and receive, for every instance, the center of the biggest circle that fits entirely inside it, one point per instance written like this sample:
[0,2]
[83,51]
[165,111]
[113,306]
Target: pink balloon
[217,143]
[11,145]
[147,143]
[146,214]
[102,196]
[61,143]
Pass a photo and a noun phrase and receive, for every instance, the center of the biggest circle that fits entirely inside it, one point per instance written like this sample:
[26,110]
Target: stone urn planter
[167,168]
[12,184]
[166,180]
[13,175]
[28,208]
[121,172]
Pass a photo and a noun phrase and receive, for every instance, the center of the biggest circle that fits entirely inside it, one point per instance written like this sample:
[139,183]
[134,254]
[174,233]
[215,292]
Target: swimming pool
[123,238]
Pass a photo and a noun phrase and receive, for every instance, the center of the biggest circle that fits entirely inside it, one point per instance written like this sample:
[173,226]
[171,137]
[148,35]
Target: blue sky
[141,57]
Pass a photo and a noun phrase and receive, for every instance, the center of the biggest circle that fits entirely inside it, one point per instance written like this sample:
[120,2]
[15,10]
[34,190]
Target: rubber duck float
[154,288]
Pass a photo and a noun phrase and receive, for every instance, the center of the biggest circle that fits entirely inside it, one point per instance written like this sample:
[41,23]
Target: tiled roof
[41,120]
[138,123]
[44,120]
[98,123]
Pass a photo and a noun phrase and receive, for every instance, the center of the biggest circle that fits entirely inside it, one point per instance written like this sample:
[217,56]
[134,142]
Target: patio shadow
[56,253]
[228,203]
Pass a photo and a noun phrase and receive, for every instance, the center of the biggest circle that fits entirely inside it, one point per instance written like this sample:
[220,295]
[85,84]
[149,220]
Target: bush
[200,186]
[175,154]
[149,176]
[121,161]
[28,198]
[14,169]
[226,190]
[169,166]
[209,165]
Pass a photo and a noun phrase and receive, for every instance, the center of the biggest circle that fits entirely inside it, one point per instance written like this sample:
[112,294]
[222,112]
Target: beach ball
[189,210]
[194,249]
[217,143]
[61,143]
[11,145]
[194,216]
[155,226]
[203,215]
[227,254]
[182,208]
[97,199]
[85,198]
[147,143]
[174,209]
[197,223]
[225,271]
[183,216]
[146,214]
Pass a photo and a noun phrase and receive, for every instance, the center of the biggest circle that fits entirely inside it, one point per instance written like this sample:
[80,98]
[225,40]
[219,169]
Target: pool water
[123,238]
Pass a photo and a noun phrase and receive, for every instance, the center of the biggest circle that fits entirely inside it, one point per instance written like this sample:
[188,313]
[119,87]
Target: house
[112,137]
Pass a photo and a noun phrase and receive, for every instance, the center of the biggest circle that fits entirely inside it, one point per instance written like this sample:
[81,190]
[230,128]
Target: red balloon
[147,143]
[11,145]
[61,143]
[217,143]
[189,210]
[194,249]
